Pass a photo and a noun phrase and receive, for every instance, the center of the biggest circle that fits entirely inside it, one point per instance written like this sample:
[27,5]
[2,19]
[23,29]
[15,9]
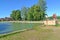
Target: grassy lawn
[37,33]
[29,35]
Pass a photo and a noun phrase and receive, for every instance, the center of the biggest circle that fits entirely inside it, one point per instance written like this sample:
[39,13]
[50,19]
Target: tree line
[34,13]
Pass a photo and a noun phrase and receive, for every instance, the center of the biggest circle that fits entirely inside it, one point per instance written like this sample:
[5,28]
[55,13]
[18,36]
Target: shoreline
[23,21]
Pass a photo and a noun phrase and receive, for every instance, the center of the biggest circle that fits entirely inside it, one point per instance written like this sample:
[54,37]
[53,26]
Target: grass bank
[38,32]
[34,34]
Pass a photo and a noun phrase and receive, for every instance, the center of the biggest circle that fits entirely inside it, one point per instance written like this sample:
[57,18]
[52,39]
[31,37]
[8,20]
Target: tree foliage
[34,13]
[42,4]
[16,15]
[24,11]
[13,14]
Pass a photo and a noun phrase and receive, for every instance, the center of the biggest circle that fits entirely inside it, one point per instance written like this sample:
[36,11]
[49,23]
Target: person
[54,16]
[46,17]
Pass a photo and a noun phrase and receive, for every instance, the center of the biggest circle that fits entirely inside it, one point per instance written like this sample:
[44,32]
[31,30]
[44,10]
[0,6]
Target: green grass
[40,34]
[37,33]
[29,35]
[43,34]
[57,25]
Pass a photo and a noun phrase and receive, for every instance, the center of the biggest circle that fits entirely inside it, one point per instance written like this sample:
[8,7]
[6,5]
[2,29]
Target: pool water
[5,27]
[10,27]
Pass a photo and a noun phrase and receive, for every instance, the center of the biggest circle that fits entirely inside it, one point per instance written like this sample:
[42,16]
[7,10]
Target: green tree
[30,13]
[16,15]
[13,14]
[42,4]
[24,11]
[35,13]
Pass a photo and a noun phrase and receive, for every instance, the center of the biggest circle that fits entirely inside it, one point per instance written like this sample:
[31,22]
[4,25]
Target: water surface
[11,27]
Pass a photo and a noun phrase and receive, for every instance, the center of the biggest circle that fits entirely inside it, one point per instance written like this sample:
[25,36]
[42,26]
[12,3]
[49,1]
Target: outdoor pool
[7,27]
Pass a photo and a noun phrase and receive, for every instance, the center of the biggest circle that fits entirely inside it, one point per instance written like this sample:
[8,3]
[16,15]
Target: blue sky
[6,6]
[53,7]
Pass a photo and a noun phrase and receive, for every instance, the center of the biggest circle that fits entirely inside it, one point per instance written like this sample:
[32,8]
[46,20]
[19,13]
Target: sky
[6,6]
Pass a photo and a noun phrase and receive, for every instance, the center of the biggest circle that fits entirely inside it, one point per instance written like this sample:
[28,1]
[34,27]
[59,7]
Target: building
[6,19]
